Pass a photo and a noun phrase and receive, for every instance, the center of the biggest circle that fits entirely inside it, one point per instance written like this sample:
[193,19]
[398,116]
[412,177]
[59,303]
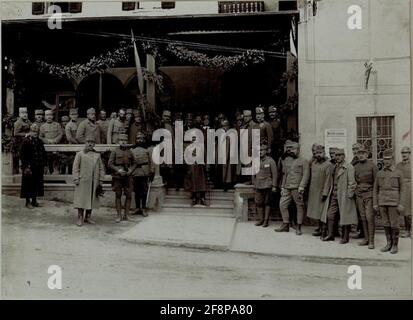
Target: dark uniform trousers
[333,212]
[122,184]
[263,197]
[365,207]
[287,196]
[140,187]
[390,216]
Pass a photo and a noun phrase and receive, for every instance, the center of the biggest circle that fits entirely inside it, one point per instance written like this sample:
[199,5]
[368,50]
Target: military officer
[113,115]
[103,124]
[129,116]
[63,122]
[277,133]
[20,131]
[404,167]
[39,118]
[332,153]
[248,124]
[388,195]
[64,161]
[141,174]
[265,183]
[51,133]
[136,127]
[296,175]
[355,147]
[71,127]
[365,172]
[266,133]
[122,163]
[88,128]
[116,127]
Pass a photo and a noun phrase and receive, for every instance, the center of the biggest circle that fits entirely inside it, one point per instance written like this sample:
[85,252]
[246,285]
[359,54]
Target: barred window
[377,135]
[168,4]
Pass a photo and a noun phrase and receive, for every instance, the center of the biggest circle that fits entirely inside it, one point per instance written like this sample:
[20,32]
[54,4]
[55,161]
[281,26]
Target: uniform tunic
[365,174]
[51,133]
[122,158]
[88,128]
[319,187]
[115,128]
[405,168]
[266,133]
[389,188]
[103,126]
[21,128]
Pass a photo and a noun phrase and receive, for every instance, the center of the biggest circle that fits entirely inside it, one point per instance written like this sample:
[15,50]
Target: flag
[139,74]
[293,50]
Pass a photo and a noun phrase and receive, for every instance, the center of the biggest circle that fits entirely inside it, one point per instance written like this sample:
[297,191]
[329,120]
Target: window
[240,6]
[129,6]
[37,8]
[168,4]
[287,5]
[376,134]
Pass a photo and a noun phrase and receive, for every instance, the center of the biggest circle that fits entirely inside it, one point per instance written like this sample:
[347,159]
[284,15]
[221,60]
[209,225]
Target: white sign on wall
[335,138]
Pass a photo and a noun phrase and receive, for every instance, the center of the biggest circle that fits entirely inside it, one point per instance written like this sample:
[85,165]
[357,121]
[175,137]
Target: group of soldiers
[338,193]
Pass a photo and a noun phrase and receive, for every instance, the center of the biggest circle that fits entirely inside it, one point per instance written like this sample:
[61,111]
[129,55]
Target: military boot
[371,229]
[346,234]
[330,227]
[317,232]
[260,212]
[266,216]
[408,227]
[79,217]
[395,238]
[387,231]
[365,241]
[87,217]
[118,209]
[127,208]
[324,231]
[298,230]
[285,227]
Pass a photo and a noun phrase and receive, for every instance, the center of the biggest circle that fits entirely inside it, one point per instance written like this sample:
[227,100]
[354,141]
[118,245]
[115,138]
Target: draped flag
[293,50]
[139,74]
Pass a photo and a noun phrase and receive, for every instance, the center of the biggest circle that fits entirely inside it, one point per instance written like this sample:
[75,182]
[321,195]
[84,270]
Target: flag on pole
[139,74]
[293,50]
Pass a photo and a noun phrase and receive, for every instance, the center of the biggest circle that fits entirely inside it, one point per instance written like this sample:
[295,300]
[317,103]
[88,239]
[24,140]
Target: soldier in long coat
[320,169]
[88,173]
[404,167]
[33,158]
[340,199]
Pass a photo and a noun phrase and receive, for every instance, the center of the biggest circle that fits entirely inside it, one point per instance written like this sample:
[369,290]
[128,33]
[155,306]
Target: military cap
[246,112]
[332,149]
[314,146]
[288,143]
[340,151]
[319,147]
[123,136]
[39,111]
[388,154]
[356,145]
[264,146]
[73,111]
[362,149]
[103,111]
[65,119]
[22,110]
[272,108]
[47,112]
[91,110]
[259,110]
[406,150]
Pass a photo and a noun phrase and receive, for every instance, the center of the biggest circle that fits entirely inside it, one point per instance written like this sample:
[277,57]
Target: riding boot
[324,231]
[346,234]
[407,226]
[395,237]
[87,217]
[202,201]
[118,204]
[330,227]
[298,230]
[260,212]
[285,227]
[194,198]
[317,232]
[28,204]
[336,228]
[79,217]
[387,231]
[371,229]
[127,208]
[266,216]
[365,241]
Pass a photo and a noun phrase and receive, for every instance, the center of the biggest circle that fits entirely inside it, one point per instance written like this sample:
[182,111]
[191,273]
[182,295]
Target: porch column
[150,85]
[7,158]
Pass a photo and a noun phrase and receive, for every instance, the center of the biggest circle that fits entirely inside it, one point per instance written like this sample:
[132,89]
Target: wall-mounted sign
[335,138]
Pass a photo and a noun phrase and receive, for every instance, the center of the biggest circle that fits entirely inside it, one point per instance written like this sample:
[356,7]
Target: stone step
[213,200]
[211,193]
[186,209]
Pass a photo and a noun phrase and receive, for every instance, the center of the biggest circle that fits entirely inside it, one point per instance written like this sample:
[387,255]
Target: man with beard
[88,174]
[340,199]
[33,158]
[123,164]
[365,172]
[319,187]
[51,133]
[20,131]
[103,124]
[388,196]
[405,168]
[332,153]
[88,128]
[266,134]
[265,183]
[117,127]
[296,175]
[141,174]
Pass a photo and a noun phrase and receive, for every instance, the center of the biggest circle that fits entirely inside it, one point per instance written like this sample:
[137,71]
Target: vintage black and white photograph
[206,149]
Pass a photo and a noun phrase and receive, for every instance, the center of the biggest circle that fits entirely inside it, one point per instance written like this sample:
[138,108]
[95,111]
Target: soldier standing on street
[340,199]
[51,133]
[365,172]
[88,174]
[141,174]
[20,131]
[122,163]
[88,128]
[103,124]
[388,196]
[332,153]
[405,168]
[296,175]
[116,127]
[319,187]
[265,182]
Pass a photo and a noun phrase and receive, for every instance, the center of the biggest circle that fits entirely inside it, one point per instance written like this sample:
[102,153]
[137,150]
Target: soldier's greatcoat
[88,128]
[346,186]
[319,187]
[89,170]
[405,168]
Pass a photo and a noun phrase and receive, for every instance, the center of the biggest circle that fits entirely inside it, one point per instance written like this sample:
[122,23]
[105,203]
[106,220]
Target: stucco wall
[331,69]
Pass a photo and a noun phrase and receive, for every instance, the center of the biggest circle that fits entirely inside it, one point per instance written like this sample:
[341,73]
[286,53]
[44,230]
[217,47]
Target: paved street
[97,263]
